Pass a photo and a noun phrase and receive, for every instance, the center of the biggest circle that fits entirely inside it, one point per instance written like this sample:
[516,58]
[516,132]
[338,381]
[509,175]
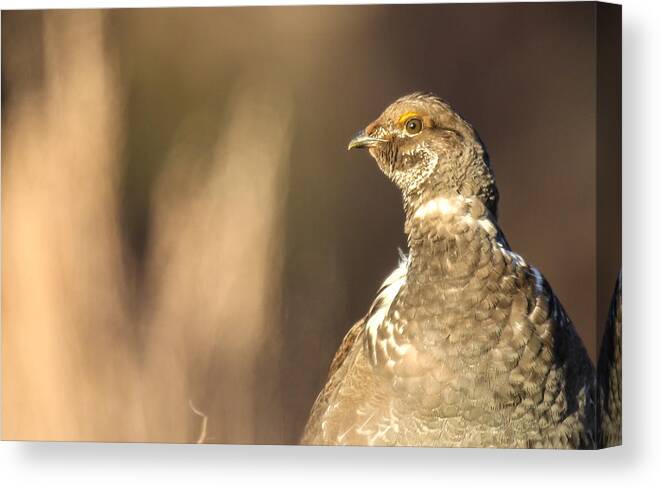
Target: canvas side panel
[609,170]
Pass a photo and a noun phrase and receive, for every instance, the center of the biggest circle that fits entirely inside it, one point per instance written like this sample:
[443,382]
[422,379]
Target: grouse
[465,344]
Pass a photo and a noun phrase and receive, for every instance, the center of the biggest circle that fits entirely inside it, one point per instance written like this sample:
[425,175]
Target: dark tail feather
[609,375]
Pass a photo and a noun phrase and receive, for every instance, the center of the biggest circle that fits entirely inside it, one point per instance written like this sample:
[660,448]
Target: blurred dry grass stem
[79,361]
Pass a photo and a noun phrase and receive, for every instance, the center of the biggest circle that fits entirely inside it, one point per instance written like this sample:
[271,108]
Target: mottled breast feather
[464,346]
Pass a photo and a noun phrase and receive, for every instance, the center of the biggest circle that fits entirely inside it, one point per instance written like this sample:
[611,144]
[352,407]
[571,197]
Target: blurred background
[186,239]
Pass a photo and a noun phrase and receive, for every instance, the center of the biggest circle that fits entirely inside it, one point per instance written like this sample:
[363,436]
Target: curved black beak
[362,140]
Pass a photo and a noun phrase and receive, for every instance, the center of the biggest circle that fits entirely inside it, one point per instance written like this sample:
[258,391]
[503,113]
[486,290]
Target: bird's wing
[568,384]
[609,375]
[351,346]
[321,404]
[346,346]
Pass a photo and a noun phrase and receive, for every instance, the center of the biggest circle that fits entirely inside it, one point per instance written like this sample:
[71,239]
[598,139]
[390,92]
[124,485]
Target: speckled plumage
[466,345]
[609,375]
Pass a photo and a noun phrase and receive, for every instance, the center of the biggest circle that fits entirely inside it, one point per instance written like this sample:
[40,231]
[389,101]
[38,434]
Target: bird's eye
[413,126]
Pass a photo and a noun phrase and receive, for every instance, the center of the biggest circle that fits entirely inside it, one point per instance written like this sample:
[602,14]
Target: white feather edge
[384,299]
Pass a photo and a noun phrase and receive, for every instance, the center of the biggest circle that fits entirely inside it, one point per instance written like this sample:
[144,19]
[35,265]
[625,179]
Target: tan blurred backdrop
[184,231]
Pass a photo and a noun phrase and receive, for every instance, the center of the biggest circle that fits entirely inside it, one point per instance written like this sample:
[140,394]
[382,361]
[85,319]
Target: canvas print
[376,225]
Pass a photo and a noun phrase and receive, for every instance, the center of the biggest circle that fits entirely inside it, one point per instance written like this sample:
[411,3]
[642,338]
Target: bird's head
[428,150]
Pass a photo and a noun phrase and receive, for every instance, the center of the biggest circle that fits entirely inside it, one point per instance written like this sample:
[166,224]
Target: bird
[609,374]
[465,344]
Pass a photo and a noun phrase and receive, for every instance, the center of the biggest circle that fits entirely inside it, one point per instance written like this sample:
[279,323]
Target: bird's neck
[450,236]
